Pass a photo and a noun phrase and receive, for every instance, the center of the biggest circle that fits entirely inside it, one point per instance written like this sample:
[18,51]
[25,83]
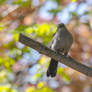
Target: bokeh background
[22,69]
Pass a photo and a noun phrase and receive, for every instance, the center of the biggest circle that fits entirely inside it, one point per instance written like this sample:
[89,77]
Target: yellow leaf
[43,29]
[73,0]
[40,84]
[16,36]
[31,89]
[2,27]
[29,30]
[59,70]
[43,60]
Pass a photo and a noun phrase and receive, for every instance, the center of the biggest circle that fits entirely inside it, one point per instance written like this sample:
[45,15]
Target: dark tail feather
[52,69]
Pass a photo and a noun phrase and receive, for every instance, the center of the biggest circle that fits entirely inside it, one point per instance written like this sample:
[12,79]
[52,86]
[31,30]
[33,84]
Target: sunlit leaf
[73,0]
[16,36]
[8,62]
[36,76]
[40,84]
[61,72]
[6,88]
[1,60]
[22,2]
[43,29]
[29,30]
[31,89]
[2,27]
[18,2]
[43,60]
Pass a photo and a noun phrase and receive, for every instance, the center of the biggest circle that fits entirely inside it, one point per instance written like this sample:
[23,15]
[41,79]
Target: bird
[61,43]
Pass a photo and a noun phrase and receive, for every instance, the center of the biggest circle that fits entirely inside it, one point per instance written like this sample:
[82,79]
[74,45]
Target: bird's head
[61,25]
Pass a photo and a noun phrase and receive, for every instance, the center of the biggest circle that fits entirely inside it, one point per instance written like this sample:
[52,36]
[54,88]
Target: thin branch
[61,58]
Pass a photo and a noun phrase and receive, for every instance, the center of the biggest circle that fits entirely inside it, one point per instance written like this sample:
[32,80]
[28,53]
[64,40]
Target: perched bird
[61,43]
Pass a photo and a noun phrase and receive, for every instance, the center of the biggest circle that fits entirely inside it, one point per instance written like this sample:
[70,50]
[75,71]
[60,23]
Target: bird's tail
[52,69]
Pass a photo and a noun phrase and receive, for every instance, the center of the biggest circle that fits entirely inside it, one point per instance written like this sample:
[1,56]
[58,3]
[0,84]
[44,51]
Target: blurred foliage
[61,72]
[43,89]
[24,3]
[22,68]
[40,88]
[2,27]
[73,0]
[7,88]
[2,1]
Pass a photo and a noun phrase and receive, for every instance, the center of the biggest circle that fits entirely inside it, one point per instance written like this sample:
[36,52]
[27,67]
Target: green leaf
[18,2]
[74,13]
[16,36]
[22,3]
[2,1]
[29,30]
[21,28]
[58,1]
[54,11]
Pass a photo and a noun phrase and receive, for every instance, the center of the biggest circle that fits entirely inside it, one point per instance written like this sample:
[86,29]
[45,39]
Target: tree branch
[61,58]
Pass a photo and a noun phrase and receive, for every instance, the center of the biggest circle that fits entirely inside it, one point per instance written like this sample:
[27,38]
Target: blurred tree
[23,69]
